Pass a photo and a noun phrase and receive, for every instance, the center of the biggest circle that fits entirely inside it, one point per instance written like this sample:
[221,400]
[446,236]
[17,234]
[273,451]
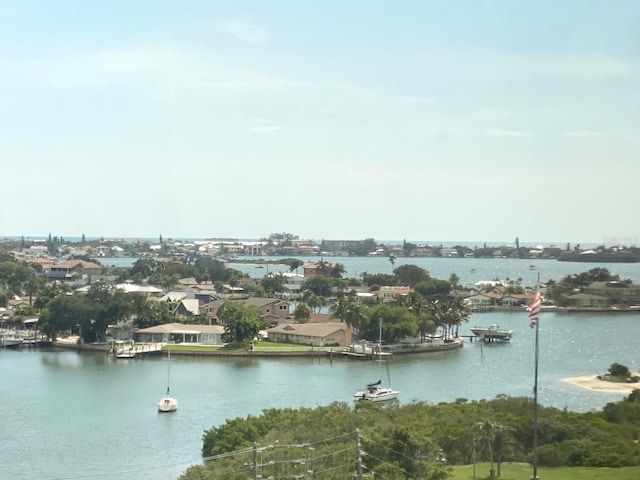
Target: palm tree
[314,301]
[323,267]
[486,431]
[294,264]
[32,286]
[338,270]
[392,260]
[355,317]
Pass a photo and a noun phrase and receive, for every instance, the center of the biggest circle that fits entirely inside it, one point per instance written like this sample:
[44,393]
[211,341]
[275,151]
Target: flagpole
[535,411]
[535,397]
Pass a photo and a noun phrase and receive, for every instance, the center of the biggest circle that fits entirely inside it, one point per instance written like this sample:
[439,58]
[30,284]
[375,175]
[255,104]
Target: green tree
[273,283]
[337,271]
[619,371]
[313,301]
[293,263]
[320,285]
[110,305]
[302,313]
[411,275]
[396,323]
[64,313]
[241,322]
[150,314]
[380,279]
[144,267]
[32,286]
[433,287]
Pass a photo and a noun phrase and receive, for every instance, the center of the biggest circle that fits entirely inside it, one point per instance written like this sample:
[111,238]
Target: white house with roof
[316,334]
[181,333]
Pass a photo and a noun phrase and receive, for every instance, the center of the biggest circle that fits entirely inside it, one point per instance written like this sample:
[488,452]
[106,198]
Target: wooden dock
[133,350]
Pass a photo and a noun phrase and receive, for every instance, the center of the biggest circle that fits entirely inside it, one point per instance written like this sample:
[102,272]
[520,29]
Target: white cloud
[585,134]
[266,129]
[246,31]
[508,133]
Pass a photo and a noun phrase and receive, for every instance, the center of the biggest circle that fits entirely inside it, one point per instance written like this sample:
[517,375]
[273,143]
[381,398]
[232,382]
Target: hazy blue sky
[424,120]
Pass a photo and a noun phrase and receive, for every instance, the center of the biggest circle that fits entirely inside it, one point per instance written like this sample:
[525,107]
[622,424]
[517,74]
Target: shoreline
[592,382]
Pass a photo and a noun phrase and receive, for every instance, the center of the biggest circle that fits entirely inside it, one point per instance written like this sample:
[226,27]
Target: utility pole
[254,465]
[358,454]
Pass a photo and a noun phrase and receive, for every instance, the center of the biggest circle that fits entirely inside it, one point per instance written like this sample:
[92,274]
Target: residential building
[181,333]
[316,334]
[74,270]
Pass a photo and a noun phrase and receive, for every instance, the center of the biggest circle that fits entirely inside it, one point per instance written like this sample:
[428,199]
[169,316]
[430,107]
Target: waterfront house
[181,333]
[271,309]
[74,270]
[317,269]
[316,334]
[483,300]
[587,300]
[388,293]
[617,292]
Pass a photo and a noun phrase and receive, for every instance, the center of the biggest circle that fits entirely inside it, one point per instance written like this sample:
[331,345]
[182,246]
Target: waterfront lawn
[281,346]
[192,348]
[258,346]
[513,471]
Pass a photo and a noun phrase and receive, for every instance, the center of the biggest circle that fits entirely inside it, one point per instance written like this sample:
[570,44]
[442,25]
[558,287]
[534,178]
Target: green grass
[281,346]
[513,471]
[259,346]
[192,348]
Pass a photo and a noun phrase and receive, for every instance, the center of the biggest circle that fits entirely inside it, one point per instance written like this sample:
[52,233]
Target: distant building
[74,270]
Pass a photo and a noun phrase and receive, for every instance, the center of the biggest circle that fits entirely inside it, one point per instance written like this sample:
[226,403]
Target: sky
[418,120]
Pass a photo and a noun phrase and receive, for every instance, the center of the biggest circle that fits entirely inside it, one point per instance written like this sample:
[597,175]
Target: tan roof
[74,263]
[309,329]
[177,327]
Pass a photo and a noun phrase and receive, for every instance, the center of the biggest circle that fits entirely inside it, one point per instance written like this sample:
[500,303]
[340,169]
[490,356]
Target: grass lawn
[524,472]
[265,346]
[281,346]
[192,348]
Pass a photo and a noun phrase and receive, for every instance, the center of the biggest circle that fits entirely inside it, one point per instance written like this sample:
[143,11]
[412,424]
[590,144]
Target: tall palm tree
[323,267]
[32,286]
[392,260]
[338,270]
[486,432]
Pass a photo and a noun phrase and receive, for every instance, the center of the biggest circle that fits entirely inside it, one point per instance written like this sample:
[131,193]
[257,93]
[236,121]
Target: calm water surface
[67,415]
[469,270]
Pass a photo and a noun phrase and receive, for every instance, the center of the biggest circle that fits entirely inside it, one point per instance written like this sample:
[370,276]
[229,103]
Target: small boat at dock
[10,341]
[492,332]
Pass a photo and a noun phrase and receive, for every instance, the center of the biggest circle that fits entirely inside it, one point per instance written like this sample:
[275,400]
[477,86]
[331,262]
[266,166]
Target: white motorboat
[168,403]
[376,393]
[492,332]
[10,341]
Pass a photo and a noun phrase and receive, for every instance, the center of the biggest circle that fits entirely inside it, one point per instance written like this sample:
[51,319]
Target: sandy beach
[592,382]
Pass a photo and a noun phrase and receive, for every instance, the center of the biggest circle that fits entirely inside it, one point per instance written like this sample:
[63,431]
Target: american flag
[534,309]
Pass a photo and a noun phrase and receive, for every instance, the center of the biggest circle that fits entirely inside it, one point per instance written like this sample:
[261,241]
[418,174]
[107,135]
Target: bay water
[70,415]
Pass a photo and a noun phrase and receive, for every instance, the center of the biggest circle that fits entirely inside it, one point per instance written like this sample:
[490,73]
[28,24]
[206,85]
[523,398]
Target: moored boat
[492,332]
[10,341]
[376,393]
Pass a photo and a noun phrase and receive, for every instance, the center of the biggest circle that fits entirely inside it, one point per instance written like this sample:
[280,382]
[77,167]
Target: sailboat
[375,392]
[168,403]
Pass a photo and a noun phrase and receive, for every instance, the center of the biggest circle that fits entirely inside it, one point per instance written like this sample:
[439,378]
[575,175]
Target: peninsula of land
[595,382]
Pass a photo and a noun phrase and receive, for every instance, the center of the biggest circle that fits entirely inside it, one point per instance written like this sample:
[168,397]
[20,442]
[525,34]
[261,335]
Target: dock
[124,349]
[490,334]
